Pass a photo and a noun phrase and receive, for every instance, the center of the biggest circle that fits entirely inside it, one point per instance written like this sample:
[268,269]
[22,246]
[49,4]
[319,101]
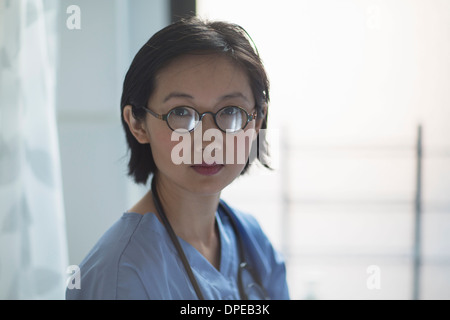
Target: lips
[207,169]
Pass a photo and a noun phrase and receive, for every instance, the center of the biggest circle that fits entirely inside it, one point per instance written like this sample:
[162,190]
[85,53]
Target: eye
[230,111]
[181,111]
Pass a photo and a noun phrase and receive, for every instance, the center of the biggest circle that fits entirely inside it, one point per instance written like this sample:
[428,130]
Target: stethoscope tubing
[181,254]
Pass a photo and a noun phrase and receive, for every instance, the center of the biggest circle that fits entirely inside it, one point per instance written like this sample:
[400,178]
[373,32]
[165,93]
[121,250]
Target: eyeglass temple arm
[158,116]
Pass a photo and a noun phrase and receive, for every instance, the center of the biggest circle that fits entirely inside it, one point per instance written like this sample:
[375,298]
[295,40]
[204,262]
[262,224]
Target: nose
[207,121]
[214,136]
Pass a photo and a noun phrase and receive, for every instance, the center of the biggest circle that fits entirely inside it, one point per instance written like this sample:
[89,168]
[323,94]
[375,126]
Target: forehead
[204,76]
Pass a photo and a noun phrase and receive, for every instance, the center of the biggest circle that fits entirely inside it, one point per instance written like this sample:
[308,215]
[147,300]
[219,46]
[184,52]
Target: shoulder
[100,270]
[245,222]
[268,262]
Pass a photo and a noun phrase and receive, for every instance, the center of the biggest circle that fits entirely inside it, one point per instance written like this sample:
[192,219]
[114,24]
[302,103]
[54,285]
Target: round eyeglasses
[228,119]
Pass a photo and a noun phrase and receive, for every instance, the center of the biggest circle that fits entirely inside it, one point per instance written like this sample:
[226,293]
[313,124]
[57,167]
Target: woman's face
[206,83]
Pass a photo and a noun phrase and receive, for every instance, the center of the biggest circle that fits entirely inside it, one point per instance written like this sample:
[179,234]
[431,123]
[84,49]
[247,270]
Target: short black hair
[191,35]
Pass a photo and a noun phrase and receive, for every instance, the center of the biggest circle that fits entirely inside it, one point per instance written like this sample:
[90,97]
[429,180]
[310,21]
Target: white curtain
[33,250]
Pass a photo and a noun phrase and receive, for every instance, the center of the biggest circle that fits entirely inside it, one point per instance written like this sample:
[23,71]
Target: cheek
[238,146]
[162,146]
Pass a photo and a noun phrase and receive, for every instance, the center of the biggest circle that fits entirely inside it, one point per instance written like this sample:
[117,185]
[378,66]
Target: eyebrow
[177,95]
[234,95]
[188,96]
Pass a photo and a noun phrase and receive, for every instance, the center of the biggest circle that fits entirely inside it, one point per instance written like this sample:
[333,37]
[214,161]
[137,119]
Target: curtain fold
[33,249]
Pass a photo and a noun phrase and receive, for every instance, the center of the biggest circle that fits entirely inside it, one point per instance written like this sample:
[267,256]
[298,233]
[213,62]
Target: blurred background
[359,199]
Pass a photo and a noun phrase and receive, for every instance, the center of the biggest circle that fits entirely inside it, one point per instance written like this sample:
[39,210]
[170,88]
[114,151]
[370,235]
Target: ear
[136,126]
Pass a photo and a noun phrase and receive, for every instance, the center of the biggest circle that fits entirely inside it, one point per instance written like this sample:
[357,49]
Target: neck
[192,216]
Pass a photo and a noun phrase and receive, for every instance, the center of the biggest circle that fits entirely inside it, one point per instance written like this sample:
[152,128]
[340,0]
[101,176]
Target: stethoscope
[243,265]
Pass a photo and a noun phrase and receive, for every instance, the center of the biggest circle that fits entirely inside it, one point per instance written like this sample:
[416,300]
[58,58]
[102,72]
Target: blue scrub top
[136,259]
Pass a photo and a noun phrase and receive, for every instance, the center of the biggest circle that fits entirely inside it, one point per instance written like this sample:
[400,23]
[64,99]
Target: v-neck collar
[201,264]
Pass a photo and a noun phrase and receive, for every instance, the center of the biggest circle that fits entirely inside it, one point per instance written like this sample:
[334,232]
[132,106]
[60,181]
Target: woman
[191,81]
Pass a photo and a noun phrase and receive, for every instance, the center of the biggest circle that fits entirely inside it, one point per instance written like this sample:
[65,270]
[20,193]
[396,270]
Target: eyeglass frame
[165,116]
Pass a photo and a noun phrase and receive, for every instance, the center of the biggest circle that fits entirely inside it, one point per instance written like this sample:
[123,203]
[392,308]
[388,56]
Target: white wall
[93,63]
